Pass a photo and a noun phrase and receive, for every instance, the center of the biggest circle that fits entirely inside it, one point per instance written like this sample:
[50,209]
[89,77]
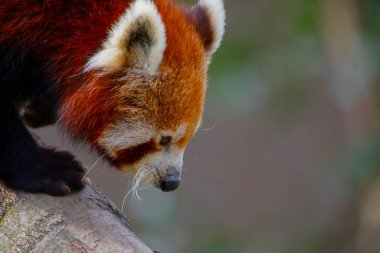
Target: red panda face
[153,121]
[145,93]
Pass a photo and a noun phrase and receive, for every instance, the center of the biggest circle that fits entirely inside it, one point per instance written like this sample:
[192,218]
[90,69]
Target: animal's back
[58,34]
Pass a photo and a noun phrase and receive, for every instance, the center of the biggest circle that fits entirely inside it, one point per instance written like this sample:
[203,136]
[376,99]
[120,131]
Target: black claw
[57,188]
[57,174]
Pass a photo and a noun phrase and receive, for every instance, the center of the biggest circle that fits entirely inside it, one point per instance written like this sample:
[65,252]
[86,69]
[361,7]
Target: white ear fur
[217,14]
[123,44]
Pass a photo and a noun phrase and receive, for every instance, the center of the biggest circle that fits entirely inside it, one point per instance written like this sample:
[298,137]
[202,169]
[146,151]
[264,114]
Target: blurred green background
[288,157]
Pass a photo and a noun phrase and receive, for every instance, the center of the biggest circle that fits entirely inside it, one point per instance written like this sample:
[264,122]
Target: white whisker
[125,199]
[142,183]
[212,127]
[137,188]
[137,180]
[93,166]
[128,193]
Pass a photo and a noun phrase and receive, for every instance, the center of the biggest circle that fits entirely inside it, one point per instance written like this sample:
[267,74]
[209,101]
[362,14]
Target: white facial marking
[160,164]
[124,135]
[113,54]
[217,14]
[169,160]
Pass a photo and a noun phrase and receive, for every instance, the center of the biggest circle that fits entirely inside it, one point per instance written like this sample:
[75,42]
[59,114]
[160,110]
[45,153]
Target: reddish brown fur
[198,16]
[66,33]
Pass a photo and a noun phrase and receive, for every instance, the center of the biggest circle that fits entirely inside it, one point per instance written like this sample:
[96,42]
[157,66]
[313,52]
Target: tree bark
[82,222]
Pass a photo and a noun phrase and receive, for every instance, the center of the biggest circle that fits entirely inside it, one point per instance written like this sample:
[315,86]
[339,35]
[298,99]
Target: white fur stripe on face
[164,161]
[113,54]
[217,14]
[125,135]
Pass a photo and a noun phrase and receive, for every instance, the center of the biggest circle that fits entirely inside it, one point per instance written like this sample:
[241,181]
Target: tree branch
[82,222]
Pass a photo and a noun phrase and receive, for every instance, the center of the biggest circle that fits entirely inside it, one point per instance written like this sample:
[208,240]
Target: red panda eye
[165,140]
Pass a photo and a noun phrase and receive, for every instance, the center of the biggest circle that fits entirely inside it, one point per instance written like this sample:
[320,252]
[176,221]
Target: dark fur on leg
[23,164]
[26,166]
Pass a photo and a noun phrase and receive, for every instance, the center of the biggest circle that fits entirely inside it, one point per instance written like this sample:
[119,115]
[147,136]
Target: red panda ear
[208,18]
[136,40]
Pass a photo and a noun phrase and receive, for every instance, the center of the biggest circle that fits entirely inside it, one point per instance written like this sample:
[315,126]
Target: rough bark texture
[83,222]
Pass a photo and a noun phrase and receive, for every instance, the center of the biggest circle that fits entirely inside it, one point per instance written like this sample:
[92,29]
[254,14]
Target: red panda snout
[154,157]
[161,169]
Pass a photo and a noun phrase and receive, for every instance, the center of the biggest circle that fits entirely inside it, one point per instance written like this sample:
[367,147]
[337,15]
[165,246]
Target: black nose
[170,183]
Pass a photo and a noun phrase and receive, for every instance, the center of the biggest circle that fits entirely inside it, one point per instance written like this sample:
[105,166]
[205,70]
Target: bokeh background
[288,157]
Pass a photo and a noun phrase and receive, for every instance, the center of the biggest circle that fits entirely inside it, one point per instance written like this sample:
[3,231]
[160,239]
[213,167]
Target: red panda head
[144,94]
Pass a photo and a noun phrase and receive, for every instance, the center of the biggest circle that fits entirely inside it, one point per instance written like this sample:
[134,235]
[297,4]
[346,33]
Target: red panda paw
[56,173]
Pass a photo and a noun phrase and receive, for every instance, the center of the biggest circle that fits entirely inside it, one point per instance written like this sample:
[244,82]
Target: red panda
[128,77]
